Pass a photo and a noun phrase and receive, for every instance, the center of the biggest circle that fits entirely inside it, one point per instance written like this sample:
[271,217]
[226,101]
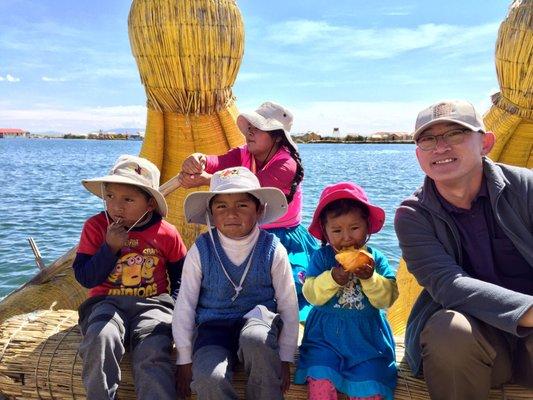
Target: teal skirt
[300,247]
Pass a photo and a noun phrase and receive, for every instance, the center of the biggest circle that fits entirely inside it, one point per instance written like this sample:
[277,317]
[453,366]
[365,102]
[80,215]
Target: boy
[236,280]
[127,255]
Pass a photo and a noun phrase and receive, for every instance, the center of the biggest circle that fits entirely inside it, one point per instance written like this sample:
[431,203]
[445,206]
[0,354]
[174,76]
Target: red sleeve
[177,249]
[92,236]
[216,163]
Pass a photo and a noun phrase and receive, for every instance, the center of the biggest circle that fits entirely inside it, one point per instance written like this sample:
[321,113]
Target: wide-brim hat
[351,191]
[233,181]
[131,170]
[268,117]
[456,111]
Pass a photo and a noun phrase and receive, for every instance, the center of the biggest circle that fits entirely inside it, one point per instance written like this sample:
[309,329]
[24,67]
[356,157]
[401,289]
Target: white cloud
[356,117]
[48,79]
[363,117]
[326,41]
[81,120]
[9,78]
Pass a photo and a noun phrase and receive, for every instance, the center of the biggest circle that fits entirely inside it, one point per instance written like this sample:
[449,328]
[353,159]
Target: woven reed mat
[39,360]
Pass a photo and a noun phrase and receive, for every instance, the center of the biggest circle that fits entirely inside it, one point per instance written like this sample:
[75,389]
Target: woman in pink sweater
[271,154]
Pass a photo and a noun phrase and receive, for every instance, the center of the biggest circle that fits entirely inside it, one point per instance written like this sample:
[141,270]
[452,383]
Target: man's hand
[183,380]
[364,272]
[340,275]
[285,376]
[116,236]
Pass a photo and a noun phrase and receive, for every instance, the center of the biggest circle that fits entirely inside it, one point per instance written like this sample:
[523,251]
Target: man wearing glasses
[467,237]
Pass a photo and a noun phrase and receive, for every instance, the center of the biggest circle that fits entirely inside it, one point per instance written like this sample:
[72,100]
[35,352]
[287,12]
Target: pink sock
[320,389]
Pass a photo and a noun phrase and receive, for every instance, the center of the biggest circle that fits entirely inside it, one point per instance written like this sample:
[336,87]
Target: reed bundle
[409,289]
[55,286]
[188,53]
[39,360]
[511,115]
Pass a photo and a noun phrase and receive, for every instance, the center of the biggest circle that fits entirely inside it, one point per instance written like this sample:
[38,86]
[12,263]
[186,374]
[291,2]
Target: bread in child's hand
[352,259]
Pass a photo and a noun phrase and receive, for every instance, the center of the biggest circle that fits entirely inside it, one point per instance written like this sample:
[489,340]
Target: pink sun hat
[350,191]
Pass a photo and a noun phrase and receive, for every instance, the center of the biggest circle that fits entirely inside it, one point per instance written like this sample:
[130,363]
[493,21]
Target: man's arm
[447,283]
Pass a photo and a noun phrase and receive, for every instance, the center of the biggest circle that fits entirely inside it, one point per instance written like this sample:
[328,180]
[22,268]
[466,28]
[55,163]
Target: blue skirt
[300,247]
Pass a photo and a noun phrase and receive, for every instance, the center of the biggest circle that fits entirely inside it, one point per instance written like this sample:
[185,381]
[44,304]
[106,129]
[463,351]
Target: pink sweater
[278,172]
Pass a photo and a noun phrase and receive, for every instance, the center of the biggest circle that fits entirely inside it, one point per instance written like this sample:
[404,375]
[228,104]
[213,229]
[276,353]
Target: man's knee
[448,335]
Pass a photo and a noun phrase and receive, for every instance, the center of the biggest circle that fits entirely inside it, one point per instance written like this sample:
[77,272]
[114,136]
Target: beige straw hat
[231,181]
[131,170]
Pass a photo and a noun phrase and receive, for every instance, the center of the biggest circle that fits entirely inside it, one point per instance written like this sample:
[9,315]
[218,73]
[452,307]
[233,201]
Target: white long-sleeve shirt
[183,319]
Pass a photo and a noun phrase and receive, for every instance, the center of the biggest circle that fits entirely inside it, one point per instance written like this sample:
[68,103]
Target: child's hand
[116,236]
[365,271]
[183,380]
[339,275]
[194,164]
[285,376]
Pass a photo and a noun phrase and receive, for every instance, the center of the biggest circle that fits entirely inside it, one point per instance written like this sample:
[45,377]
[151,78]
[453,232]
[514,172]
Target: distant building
[13,133]
[336,133]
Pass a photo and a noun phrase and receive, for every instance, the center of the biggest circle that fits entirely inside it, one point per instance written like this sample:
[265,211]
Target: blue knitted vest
[214,302]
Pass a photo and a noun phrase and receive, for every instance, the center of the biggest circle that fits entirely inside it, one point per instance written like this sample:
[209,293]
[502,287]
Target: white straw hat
[231,181]
[458,111]
[131,170]
[268,117]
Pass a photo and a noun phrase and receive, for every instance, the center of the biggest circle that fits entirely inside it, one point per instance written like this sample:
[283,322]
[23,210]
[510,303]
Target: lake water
[43,198]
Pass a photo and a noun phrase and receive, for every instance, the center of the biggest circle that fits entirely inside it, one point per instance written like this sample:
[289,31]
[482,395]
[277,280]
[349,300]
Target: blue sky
[361,66]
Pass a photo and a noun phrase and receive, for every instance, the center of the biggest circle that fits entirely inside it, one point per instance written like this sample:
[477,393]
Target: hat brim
[196,204]
[95,187]
[265,124]
[428,124]
[376,216]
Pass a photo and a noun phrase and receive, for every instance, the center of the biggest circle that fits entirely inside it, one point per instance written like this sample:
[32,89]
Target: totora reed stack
[511,116]
[188,53]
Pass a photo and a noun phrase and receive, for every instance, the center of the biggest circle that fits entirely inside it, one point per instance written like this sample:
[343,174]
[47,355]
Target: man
[467,237]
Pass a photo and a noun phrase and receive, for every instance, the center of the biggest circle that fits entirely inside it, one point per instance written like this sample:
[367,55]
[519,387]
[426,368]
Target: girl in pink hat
[348,344]
[271,154]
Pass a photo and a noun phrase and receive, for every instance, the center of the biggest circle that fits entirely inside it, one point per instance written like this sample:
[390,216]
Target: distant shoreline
[358,142]
[298,142]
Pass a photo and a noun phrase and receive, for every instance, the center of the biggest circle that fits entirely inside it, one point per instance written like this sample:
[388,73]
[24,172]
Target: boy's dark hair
[340,207]
[256,201]
[299,175]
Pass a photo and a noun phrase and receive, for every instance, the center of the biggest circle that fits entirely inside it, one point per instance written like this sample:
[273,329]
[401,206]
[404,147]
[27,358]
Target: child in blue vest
[237,299]
[348,344]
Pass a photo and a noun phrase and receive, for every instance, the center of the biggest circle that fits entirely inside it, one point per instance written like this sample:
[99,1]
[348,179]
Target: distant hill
[49,133]
[122,131]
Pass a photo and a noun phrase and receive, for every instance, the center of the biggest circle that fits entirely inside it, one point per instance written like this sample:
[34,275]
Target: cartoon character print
[148,267]
[133,269]
[351,295]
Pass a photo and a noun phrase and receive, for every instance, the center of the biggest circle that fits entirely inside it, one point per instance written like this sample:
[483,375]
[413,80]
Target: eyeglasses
[429,142]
